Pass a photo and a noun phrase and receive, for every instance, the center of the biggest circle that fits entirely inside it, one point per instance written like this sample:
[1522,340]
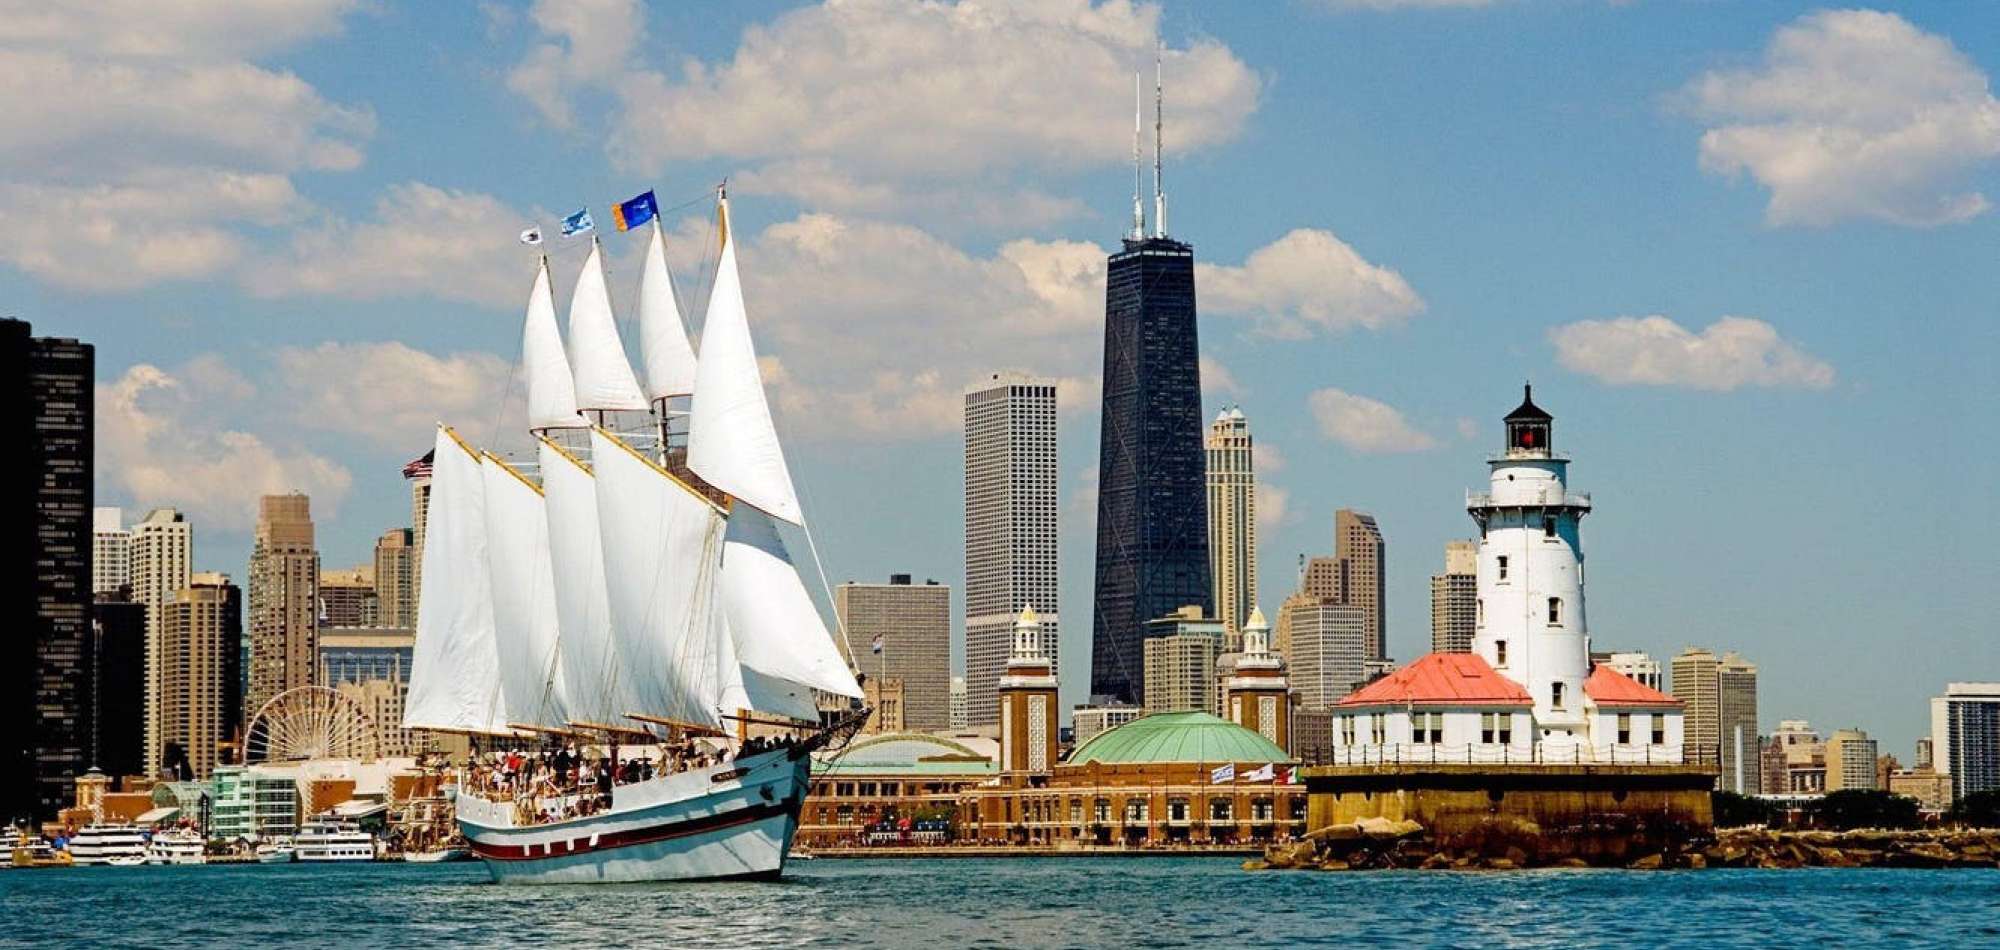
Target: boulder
[1407,829]
[1572,862]
[1343,832]
[1378,828]
[1500,864]
[1436,862]
[1651,862]
[1254,864]
[1696,860]
[1333,864]
[1516,855]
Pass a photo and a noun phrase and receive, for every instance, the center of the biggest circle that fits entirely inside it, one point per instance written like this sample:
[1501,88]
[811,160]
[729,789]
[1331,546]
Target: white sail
[524,602]
[663,339]
[662,544]
[551,390]
[604,377]
[454,669]
[780,640]
[595,691]
[731,441]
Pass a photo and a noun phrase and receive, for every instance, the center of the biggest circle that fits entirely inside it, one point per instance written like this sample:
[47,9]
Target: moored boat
[176,846]
[276,851]
[327,840]
[108,843]
[436,856]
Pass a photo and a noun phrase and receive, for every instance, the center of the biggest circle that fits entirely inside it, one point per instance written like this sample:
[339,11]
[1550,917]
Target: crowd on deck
[561,782]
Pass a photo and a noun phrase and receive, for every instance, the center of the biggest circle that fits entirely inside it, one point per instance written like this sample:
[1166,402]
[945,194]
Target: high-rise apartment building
[913,624]
[47,389]
[371,665]
[418,474]
[1329,650]
[284,599]
[1965,737]
[200,631]
[1721,715]
[1152,509]
[110,551]
[1850,761]
[119,628]
[959,718]
[1232,520]
[1089,721]
[162,555]
[1358,546]
[347,597]
[1179,652]
[395,579]
[1455,599]
[1011,503]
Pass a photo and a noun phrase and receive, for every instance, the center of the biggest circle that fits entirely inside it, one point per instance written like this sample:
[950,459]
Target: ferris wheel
[309,722]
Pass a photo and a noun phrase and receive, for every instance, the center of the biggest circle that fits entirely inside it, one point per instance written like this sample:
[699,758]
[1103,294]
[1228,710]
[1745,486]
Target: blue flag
[578,223]
[638,211]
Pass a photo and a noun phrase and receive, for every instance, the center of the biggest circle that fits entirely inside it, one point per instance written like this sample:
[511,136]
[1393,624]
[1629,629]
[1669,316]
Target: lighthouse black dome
[1528,425]
[1527,411]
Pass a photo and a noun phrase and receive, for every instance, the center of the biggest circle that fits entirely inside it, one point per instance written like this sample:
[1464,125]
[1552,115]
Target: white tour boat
[328,840]
[626,587]
[276,851]
[177,846]
[107,844]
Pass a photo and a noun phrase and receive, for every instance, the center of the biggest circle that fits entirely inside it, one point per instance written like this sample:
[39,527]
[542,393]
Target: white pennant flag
[531,236]
[1222,774]
[1266,774]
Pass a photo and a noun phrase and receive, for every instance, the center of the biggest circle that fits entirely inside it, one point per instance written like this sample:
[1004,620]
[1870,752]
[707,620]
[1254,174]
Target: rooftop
[1177,737]
[1608,687]
[1442,679]
[914,754]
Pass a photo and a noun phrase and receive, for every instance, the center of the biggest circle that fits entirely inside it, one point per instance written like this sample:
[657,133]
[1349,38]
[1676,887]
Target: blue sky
[1743,250]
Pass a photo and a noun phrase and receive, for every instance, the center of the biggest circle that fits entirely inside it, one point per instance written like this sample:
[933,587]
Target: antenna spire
[1138,205]
[1159,188]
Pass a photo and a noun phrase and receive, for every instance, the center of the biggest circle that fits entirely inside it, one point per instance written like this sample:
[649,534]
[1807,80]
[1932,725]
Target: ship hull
[736,820]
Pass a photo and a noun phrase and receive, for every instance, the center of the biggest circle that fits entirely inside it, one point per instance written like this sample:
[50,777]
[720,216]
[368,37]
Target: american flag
[421,468]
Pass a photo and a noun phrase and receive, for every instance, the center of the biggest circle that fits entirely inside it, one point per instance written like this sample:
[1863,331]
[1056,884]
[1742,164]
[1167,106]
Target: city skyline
[1837,315]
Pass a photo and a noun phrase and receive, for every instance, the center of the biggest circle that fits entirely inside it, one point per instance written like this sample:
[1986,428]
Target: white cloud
[141,140]
[1216,378]
[1655,351]
[1467,428]
[424,241]
[1273,504]
[389,392]
[879,106]
[161,440]
[1364,425]
[1305,281]
[1265,456]
[1853,114]
[1384,5]
[881,325]
[165,224]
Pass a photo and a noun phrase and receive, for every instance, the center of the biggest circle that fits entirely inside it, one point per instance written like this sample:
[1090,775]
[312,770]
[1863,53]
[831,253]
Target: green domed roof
[1178,737]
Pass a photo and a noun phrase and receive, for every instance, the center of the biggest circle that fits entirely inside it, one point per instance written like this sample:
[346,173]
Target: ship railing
[1550,498]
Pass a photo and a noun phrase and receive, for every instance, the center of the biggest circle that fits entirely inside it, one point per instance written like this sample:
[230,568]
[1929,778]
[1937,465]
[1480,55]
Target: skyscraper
[1965,737]
[110,551]
[395,579]
[1455,599]
[1010,528]
[913,622]
[1329,650]
[200,631]
[47,422]
[162,548]
[1850,761]
[119,626]
[1152,510]
[1232,520]
[1357,543]
[347,597]
[1179,653]
[1721,723]
[418,473]
[284,599]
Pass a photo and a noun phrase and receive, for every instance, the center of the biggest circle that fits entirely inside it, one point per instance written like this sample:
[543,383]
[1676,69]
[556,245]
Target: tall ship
[613,617]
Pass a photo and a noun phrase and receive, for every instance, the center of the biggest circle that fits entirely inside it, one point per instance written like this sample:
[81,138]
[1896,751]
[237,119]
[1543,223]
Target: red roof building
[1443,679]
[1608,687]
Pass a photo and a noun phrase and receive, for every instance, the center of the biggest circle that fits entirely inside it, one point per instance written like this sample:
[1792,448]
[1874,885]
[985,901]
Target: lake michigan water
[1078,902]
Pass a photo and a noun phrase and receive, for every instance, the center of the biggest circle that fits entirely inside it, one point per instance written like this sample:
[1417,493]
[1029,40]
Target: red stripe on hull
[607,841]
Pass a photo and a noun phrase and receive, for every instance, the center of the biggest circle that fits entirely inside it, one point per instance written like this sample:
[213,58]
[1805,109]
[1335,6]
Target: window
[1219,809]
[1502,562]
[1481,602]
[1555,611]
[1556,695]
[1549,526]
[1659,729]
[1347,730]
[1624,728]
[1427,728]
[1506,728]
[1177,810]
[1486,728]
[1378,729]
[1100,811]
[1499,653]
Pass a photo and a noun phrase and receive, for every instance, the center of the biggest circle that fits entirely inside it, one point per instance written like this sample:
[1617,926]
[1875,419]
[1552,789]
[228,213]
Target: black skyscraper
[120,714]
[1152,506]
[46,390]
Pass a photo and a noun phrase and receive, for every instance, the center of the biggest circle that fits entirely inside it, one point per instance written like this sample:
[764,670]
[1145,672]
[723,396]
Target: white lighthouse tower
[1531,620]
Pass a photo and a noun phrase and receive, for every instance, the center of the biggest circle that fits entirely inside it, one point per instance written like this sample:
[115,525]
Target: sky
[1743,250]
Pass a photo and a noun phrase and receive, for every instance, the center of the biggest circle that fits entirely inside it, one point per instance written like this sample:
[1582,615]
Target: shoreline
[1028,851]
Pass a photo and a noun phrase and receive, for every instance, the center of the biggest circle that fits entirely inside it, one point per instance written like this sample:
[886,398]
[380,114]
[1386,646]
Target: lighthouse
[1531,622]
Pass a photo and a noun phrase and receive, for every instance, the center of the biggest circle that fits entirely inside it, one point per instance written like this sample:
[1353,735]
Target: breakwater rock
[1506,844]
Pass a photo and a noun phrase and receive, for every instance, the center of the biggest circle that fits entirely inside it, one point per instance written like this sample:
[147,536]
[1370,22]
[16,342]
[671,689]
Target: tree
[1864,808]
[1735,811]
[1977,810]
